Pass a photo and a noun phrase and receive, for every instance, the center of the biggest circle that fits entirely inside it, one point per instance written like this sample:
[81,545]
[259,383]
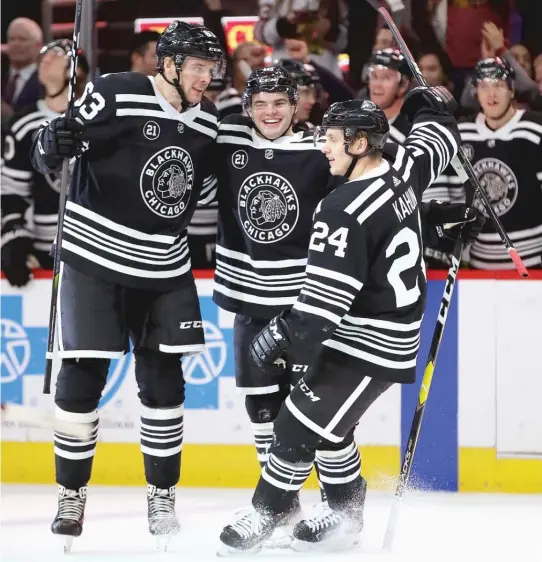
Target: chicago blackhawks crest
[500,184]
[268,207]
[166,182]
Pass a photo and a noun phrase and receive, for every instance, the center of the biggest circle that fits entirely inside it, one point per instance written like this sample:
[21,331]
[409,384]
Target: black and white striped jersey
[268,191]
[508,163]
[29,198]
[399,128]
[364,294]
[134,190]
[228,102]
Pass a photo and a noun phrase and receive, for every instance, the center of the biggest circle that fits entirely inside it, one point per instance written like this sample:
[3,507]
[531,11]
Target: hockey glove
[268,346]
[62,138]
[449,220]
[421,97]
[16,249]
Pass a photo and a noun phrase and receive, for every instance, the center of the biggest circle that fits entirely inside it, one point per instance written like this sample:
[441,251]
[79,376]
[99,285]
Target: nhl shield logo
[500,184]
[180,128]
[268,207]
[268,153]
[166,182]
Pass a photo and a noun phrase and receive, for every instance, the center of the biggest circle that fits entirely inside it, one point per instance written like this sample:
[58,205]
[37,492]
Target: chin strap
[262,135]
[176,83]
[355,158]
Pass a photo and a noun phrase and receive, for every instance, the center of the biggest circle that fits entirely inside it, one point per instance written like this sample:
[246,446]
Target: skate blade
[68,543]
[225,551]
[332,544]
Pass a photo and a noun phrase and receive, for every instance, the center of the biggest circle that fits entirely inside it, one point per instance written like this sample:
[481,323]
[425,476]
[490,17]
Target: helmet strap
[262,135]
[355,158]
[176,83]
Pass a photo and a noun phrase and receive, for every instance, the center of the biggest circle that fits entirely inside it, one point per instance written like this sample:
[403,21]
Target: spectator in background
[143,53]
[523,57]
[321,24]
[334,88]
[433,70]
[22,87]
[538,72]
[383,39]
[493,45]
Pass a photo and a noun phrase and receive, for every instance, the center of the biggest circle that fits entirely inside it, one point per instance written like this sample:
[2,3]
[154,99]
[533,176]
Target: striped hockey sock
[263,438]
[161,444]
[74,455]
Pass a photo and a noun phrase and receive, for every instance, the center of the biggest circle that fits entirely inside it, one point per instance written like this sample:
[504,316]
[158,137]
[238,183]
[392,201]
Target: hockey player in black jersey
[26,244]
[142,146]
[270,182]
[504,146]
[359,312]
[308,83]
[389,81]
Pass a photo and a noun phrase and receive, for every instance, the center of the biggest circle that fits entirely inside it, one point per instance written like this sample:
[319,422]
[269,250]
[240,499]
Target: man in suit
[22,87]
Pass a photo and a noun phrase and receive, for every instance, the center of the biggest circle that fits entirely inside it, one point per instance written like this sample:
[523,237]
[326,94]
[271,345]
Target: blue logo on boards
[23,355]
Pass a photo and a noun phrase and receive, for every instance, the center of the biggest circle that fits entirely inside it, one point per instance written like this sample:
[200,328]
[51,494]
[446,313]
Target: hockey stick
[62,206]
[34,417]
[461,163]
[424,393]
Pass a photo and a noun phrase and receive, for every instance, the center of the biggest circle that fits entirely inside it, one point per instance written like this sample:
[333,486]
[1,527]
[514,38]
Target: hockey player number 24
[403,295]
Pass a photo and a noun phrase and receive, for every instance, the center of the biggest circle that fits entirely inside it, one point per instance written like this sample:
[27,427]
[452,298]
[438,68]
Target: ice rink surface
[433,527]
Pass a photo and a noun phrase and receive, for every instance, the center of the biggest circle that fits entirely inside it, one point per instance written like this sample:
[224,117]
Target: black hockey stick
[62,205]
[461,163]
[410,449]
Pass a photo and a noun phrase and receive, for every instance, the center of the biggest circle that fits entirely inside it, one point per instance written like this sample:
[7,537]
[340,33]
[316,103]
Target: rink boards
[482,428]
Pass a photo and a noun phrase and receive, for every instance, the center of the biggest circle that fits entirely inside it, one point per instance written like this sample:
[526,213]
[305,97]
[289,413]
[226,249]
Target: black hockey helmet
[304,75]
[65,46]
[272,79]
[181,40]
[392,59]
[358,115]
[494,69]
[355,116]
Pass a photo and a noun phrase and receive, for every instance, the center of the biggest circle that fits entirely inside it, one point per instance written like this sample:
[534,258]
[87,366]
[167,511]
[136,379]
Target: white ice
[433,527]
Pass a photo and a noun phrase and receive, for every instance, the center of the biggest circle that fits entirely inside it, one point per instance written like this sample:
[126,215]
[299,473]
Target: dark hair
[140,41]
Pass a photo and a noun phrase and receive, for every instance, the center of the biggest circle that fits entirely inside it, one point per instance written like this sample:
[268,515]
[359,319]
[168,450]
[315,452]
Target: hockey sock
[263,438]
[341,478]
[161,444]
[279,484]
[73,455]
[323,494]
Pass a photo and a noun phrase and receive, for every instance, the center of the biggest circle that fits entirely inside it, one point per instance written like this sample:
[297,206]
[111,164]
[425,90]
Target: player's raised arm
[434,138]
[95,120]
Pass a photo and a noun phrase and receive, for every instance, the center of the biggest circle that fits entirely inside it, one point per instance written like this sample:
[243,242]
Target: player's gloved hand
[63,138]
[449,220]
[421,97]
[16,248]
[269,345]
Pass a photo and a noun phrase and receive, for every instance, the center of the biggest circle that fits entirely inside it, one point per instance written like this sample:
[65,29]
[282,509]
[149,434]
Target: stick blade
[518,262]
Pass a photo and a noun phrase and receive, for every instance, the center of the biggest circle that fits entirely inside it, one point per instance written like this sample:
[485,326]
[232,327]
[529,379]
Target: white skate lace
[161,505]
[250,524]
[326,519]
[71,503]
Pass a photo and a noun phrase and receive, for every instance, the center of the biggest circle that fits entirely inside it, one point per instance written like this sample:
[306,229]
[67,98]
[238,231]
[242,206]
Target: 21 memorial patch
[166,182]
[268,207]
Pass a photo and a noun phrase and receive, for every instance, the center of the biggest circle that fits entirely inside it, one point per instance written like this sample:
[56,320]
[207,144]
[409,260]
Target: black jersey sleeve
[17,177]
[336,270]
[97,110]
[429,148]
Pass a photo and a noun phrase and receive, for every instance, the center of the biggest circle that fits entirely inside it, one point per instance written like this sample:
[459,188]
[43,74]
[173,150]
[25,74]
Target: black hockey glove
[437,98]
[62,138]
[268,346]
[16,248]
[449,220]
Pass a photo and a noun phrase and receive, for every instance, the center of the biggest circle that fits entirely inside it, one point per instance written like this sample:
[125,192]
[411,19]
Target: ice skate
[163,522]
[329,530]
[248,535]
[68,522]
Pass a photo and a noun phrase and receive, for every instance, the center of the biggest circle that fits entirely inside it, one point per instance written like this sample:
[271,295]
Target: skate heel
[163,522]
[68,522]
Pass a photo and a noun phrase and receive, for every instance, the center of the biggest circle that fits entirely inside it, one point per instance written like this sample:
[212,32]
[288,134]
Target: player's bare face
[272,114]
[196,76]
[384,86]
[495,97]
[334,151]
[307,99]
[52,69]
